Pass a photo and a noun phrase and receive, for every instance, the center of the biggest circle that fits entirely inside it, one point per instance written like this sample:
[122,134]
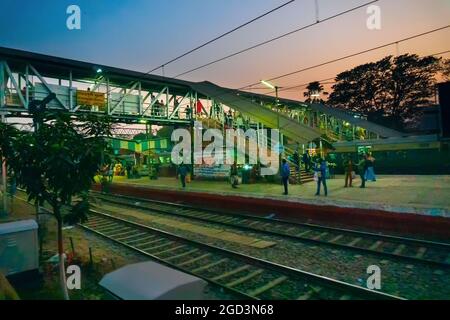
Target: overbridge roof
[51,66]
[58,67]
[334,112]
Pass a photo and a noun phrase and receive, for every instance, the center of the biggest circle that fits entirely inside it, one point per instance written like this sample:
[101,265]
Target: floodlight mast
[280,137]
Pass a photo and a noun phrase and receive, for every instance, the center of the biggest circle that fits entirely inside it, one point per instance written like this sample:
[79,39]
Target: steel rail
[354,233]
[341,287]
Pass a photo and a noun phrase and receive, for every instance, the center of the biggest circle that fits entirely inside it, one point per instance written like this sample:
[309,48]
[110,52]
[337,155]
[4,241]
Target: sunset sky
[143,34]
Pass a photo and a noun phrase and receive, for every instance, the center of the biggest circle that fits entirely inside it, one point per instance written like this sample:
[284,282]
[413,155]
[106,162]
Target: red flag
[199,106]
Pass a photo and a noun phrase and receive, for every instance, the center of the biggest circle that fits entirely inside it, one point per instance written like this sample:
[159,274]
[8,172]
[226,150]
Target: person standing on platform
[183,172]
[321,171]
[128,168]
[111,173]
[362,169]
[234,175]
[285,173]
[307,161]
[370,172]
[348,167]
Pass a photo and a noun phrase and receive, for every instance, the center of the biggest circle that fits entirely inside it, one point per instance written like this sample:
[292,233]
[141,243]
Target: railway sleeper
[243,279]
[232,272]
[181,255]
[267,287]
[211,265]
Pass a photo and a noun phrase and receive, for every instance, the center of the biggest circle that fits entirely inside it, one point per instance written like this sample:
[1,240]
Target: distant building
[428,122]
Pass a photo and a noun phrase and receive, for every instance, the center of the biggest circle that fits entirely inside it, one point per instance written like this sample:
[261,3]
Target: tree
[57,164]
[314,89]
[165,132]
[446,69]
[389,90]
[8,135]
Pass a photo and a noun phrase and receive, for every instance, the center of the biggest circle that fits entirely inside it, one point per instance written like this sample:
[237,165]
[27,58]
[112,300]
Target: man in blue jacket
[285,173]
[321,171]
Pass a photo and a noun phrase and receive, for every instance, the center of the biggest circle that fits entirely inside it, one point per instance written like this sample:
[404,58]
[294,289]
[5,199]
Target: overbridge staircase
[289,127]
[300,177]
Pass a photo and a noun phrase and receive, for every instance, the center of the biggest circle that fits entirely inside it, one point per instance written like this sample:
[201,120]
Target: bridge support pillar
[4,209]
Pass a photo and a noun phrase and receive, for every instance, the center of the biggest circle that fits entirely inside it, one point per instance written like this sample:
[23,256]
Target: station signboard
[364,149]
[212,172]
[89,98]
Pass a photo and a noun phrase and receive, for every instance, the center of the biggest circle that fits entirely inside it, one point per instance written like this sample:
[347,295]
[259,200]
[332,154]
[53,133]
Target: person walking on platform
[348,167]
[183,172]
[321,171]
[362,169]
[307,161]
[285,173]
[234,175]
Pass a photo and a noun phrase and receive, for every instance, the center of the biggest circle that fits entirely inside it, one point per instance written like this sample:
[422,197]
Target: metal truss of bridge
[138,98]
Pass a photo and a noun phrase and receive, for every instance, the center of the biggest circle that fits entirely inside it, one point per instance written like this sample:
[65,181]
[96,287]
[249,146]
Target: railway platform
[412,205]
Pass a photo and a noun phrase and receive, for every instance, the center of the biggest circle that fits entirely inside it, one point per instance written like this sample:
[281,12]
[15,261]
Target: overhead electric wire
[306,84]
[441,53]
[280,89]
[276,38]
[221,36]
[333,78]
[349,56]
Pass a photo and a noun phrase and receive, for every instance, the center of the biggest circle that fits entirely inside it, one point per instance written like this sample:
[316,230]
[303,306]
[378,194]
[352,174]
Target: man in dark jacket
[307,161]
[234,175]
[129,167]
[285,173]
[348,168]
[362,168]
[183,171]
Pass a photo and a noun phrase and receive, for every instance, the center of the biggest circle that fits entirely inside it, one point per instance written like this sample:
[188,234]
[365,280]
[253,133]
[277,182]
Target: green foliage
[165,132]
[142,137]
[78,212]
[8,136]
[314,88]
[58,162]
[446,69]
[387,91]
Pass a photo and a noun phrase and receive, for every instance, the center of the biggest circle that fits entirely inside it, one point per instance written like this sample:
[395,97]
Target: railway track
[436,254]
[248,277]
